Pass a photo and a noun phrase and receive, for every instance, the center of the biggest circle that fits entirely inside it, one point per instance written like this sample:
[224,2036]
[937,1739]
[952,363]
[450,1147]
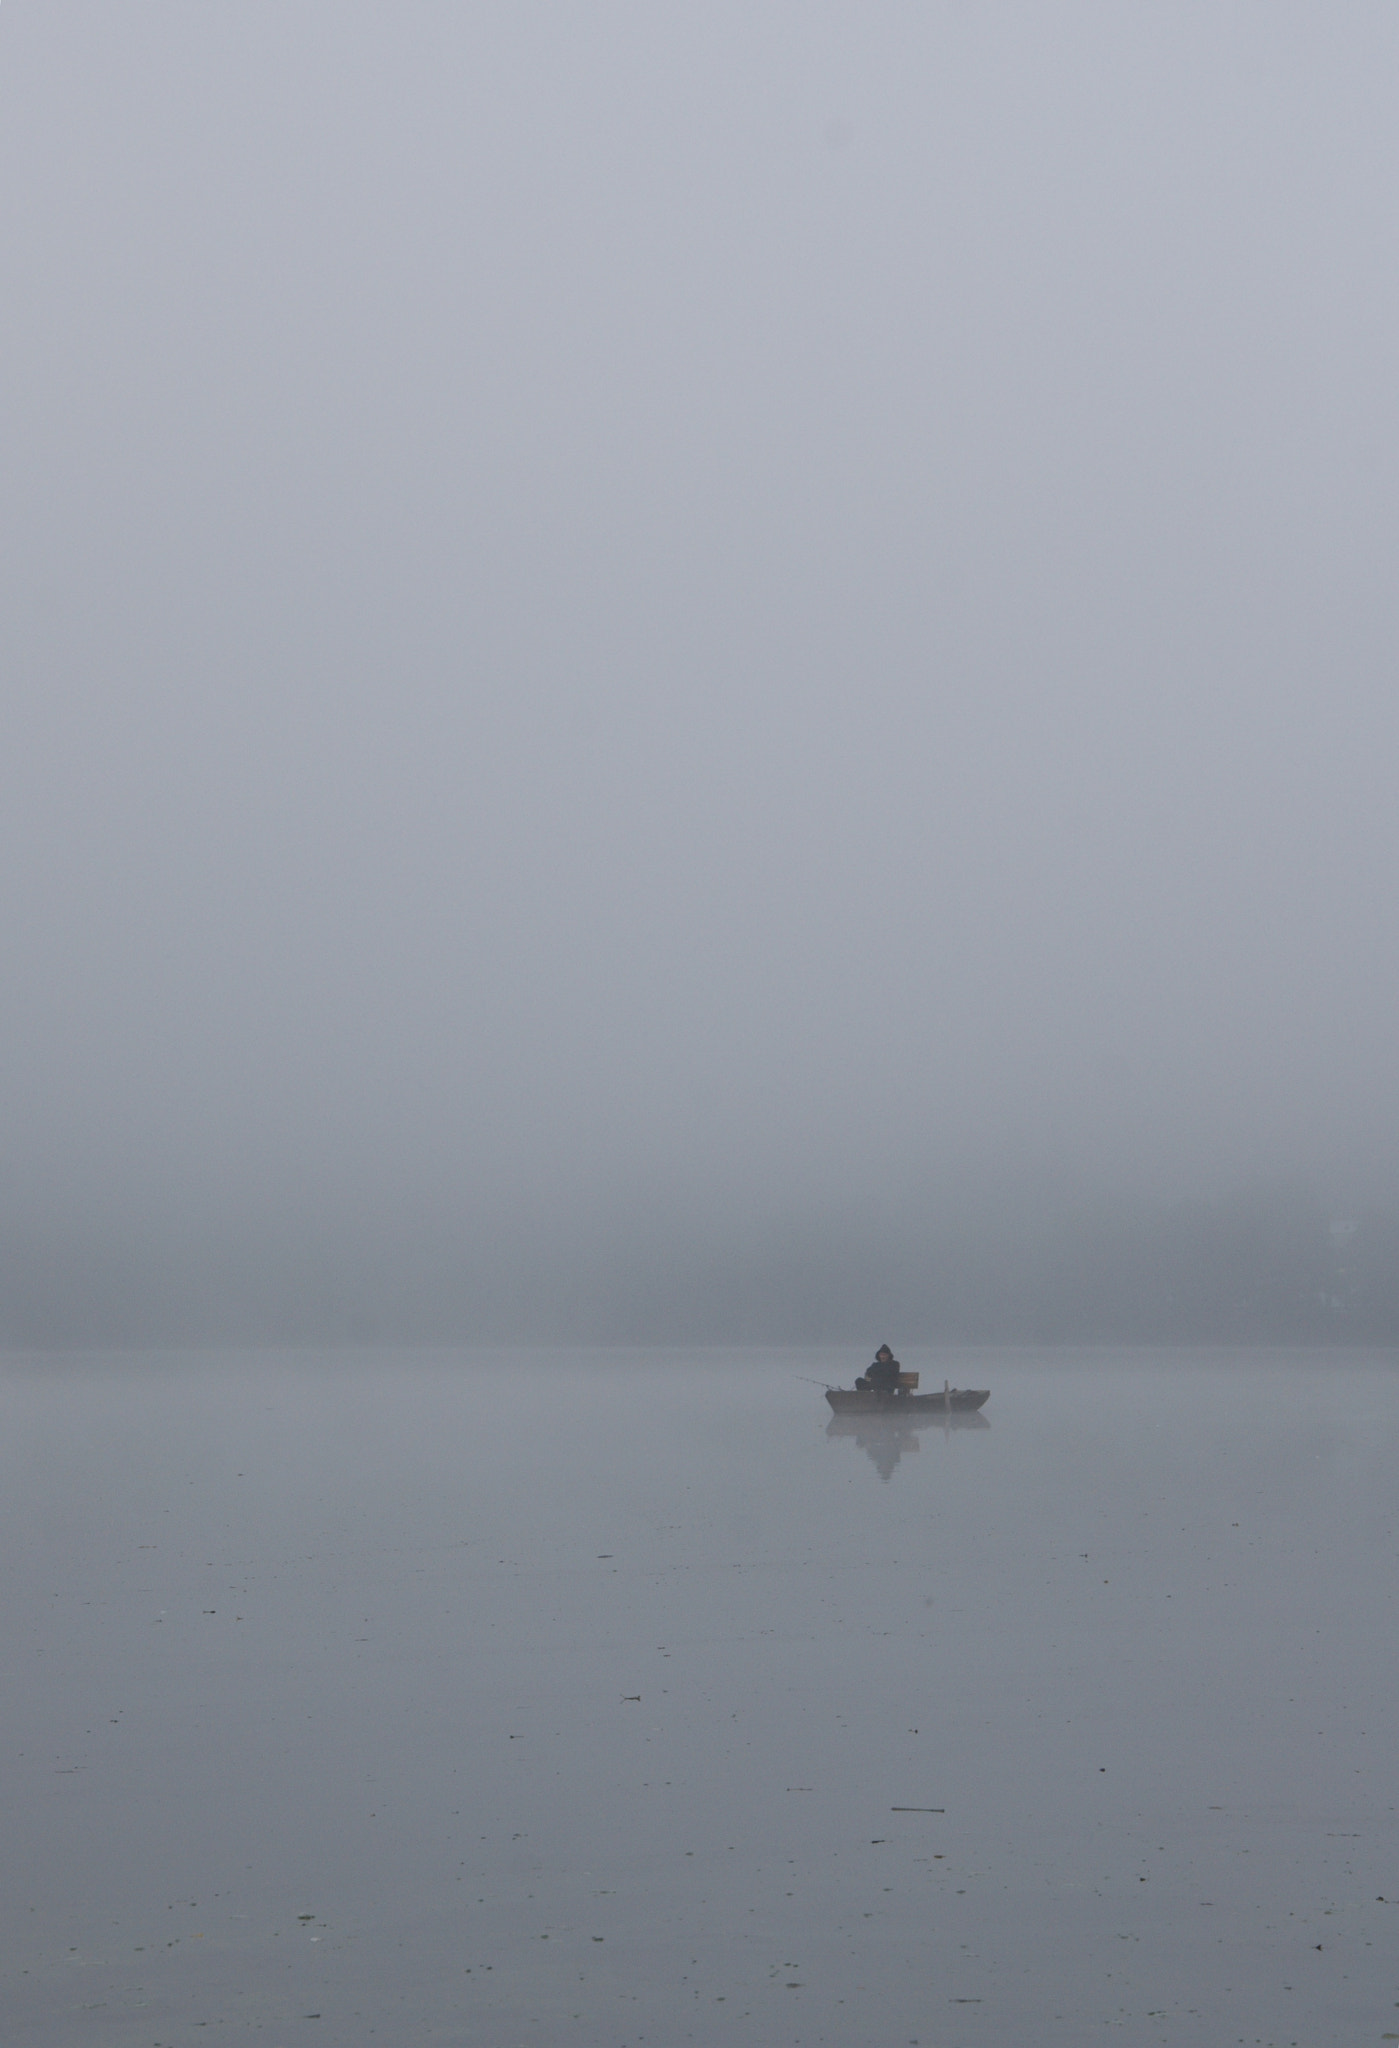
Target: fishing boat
[905,1399]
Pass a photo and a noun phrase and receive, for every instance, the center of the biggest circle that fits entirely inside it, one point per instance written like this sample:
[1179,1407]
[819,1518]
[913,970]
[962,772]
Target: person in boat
[883,1376]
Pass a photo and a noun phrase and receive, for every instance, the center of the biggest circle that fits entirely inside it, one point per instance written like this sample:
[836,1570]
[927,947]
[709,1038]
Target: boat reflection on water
[885,1438]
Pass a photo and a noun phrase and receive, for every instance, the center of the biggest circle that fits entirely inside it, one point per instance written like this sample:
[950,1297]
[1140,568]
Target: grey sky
[647,612]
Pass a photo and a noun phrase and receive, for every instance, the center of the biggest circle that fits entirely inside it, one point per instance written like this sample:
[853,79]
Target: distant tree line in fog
[1247,1270]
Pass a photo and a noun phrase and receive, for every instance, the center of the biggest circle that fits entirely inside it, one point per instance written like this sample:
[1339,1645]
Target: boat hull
[957,1401]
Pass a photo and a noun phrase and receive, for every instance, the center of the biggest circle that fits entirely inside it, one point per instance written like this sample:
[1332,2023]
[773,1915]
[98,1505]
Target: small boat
[906,1400]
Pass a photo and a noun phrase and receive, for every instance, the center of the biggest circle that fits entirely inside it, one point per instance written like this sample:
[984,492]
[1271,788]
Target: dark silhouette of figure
[883,1376]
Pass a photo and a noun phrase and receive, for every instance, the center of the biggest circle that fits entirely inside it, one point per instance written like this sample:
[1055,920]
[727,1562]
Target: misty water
[500,1697]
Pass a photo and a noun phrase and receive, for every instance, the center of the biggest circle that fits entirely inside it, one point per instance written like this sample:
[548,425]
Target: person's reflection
[885,1438]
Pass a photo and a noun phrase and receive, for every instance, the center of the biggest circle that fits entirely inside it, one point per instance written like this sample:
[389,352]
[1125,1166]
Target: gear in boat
[886,1386]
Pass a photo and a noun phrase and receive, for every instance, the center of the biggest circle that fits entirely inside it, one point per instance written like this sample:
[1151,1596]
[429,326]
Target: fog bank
[656,660]
[1262,1267]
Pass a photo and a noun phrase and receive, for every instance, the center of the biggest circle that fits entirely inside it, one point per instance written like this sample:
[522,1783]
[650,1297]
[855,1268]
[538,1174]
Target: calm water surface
[508,1698]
